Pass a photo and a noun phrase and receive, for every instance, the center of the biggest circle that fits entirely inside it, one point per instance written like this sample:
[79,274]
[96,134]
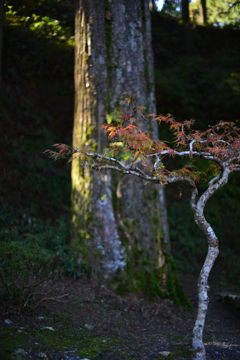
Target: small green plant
[27,276]
[74,268]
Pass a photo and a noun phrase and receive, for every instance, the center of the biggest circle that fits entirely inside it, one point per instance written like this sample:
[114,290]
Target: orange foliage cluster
[221,140]
[219,143]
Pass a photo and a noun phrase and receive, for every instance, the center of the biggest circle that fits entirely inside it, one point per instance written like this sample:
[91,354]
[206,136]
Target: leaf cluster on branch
[133,151]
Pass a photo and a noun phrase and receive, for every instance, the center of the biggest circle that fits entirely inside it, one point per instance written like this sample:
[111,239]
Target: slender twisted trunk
[213,251]
[197,206]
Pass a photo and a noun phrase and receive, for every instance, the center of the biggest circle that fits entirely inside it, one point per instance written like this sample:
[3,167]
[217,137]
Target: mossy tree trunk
[1,38]
[94,230]
[116,222]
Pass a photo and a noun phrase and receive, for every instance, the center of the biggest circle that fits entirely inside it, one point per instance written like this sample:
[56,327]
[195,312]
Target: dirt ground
[143,330]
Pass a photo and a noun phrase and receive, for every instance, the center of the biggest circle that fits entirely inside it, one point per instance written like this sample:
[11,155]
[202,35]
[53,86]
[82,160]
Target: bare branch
[236,158]
[158,160]
[194,141]
[213,180]
[107,158]
[204,155]
[236,169]
[54,298]
[137,172]
[172,179]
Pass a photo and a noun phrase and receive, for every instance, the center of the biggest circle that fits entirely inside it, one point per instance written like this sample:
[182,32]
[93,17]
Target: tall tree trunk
[93,221]
[117,221]
[203,11]
[1,38]
[185,11]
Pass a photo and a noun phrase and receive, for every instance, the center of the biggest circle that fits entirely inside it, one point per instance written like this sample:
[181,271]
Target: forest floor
[96,324]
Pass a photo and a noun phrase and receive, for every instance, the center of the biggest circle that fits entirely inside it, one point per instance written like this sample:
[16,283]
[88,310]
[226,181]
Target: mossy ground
[65,338]
[96,321]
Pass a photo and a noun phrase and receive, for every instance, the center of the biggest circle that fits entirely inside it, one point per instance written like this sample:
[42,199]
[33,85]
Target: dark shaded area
[95,323]
[197,76]
[197,71]
[36,111]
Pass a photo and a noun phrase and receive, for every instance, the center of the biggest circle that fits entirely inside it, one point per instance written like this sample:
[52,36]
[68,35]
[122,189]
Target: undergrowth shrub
[75,268]
[28,276]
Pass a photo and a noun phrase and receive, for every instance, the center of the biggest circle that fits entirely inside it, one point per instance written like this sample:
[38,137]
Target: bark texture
[115,222]
[198,206]
[1,38]
[213,251]
[92,211]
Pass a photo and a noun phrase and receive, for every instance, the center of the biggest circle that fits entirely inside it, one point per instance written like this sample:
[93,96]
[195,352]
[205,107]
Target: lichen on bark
[113,55]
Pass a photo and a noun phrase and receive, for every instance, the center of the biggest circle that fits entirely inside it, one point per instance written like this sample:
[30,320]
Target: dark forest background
[197,75]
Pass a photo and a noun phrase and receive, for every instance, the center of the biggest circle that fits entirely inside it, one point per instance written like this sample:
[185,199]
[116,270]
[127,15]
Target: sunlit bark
[113,54]
[94,230]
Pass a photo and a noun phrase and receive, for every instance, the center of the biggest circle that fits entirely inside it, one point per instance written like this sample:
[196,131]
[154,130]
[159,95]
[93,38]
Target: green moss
[142,274]
[64,337]
[153,283]
[179,353]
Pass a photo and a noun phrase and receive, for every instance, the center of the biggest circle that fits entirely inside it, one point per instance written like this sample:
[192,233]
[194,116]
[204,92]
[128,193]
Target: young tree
[219,145]
[112,54]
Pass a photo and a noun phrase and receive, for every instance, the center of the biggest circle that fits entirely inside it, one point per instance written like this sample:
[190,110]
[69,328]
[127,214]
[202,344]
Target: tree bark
[213,251]
[92,211]
[203,11]
[114,221]
[1,38]
[198,206]
[185,11]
